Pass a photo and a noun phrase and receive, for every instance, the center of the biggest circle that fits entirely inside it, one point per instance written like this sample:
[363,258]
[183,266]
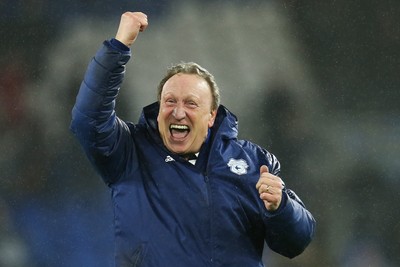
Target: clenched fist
[130,25]
[270,187]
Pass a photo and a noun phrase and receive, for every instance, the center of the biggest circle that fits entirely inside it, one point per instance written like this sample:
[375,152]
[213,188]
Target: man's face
[185,113]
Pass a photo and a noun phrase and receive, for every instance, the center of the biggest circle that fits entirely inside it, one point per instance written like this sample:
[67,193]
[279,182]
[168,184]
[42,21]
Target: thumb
[263,169]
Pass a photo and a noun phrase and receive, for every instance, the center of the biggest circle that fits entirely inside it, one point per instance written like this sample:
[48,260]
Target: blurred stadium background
[316,83]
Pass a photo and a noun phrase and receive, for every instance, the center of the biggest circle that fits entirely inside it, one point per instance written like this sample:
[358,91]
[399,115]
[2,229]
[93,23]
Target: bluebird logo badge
[238,166]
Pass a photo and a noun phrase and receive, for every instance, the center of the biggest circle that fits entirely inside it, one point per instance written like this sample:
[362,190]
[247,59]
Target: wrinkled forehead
[186,83]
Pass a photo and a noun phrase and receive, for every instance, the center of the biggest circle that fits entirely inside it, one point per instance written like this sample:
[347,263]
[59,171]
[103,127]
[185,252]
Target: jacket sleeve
[290,229]
[104,137]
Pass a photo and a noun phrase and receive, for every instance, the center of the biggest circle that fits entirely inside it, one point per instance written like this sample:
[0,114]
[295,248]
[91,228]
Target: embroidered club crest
[238,166]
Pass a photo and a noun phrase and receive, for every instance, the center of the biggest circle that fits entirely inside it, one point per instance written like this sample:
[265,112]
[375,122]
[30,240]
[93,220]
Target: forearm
[102,80]
[290,230]
[95,102]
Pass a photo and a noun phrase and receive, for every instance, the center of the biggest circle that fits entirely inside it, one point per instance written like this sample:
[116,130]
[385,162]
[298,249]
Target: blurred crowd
[338,141]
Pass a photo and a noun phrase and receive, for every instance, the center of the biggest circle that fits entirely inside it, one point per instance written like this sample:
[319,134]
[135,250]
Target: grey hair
[196,69]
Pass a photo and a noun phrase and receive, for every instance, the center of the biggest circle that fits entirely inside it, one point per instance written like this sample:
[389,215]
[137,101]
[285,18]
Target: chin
[177,150]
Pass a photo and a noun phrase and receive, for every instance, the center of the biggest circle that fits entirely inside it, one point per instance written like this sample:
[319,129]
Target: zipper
[210,216]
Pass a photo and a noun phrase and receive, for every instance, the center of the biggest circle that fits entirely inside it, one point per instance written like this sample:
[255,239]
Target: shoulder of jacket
[262,155]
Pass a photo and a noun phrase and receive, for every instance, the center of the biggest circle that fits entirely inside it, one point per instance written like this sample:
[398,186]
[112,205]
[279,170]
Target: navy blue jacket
[168,212]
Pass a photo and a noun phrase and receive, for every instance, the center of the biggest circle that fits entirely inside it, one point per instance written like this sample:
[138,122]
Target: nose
[179,113]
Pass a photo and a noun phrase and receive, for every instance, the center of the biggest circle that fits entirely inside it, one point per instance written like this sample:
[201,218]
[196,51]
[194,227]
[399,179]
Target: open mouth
[179,131]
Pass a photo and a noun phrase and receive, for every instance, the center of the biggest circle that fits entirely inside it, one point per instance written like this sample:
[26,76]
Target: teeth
[179,127]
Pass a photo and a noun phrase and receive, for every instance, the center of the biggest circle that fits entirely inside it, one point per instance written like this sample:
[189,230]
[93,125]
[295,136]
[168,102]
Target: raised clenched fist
[130,25]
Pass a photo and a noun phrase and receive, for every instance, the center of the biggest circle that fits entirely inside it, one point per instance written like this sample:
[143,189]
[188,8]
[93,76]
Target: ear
[211,121]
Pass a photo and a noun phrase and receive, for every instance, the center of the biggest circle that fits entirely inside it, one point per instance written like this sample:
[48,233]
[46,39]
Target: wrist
[117,44]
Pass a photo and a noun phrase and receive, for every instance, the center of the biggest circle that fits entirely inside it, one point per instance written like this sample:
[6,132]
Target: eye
[170,101]
[191,104]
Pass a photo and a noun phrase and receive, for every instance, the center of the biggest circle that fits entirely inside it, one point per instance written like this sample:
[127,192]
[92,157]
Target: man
[185,190]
